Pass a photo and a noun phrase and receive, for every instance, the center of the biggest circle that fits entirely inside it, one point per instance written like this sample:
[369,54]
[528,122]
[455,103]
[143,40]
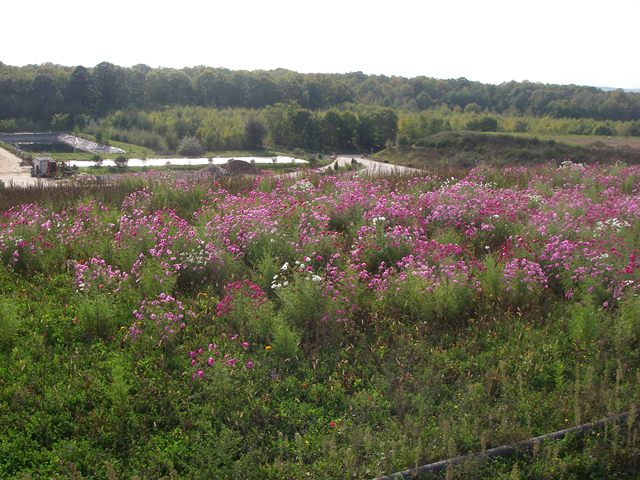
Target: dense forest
[207,109]
[40,91]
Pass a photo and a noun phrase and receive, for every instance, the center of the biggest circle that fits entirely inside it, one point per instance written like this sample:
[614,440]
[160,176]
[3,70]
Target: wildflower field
[322,326]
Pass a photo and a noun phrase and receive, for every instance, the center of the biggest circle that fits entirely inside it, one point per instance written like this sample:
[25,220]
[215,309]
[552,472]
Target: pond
[57,147]
[161,162]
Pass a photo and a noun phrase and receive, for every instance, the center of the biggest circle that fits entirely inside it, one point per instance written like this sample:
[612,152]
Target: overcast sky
[551,41]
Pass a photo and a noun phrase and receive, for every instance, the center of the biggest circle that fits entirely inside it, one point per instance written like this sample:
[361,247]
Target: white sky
[552,41]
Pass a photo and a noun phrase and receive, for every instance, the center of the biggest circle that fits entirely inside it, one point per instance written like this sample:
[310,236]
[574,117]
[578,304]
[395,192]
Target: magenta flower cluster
[164,316]
[231,352]
[557,230]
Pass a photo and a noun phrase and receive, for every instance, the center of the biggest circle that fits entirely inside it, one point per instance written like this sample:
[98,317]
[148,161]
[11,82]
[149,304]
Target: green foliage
[626,325]
[402,140]
[492,281]
[184,202]
[306,309]
[8,125]
[39,91]
[483,124]
[438,307]
[585,322]
[153,280]
[9,323]
[266,268]
[254,133]
[103,136]
[97,318]
[285,341]
[121,161]
[268,245]
[251,319]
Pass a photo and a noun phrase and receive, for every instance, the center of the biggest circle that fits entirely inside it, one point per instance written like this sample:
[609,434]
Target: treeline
[64,96]
[194,130]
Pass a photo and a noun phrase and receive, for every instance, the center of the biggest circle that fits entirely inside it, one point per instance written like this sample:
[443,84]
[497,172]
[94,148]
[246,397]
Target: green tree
[332,127]
[483,124]
[254,132]
[43,95]
[80,93]
[110,87]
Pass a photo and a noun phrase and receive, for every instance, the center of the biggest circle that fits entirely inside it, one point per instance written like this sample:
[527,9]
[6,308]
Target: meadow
[323,326]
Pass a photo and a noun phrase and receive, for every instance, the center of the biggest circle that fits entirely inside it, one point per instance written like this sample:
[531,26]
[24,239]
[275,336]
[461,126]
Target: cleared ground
[12,172]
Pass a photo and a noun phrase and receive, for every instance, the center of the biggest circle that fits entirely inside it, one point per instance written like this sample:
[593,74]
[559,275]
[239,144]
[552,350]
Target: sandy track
[373,167]
[12,172]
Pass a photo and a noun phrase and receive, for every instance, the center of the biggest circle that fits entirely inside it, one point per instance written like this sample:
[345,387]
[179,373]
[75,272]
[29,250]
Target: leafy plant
[9,323]
[97,318]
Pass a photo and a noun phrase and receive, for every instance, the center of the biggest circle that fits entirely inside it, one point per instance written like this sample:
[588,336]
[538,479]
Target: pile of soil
[240,167]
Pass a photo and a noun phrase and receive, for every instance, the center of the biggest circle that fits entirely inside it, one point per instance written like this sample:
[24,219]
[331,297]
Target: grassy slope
[400,392]
[466,149]
[588,140]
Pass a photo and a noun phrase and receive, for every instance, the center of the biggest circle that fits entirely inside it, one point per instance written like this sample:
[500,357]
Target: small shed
[44,167]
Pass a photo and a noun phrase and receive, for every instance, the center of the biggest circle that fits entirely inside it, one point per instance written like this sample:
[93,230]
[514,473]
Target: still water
[159,162]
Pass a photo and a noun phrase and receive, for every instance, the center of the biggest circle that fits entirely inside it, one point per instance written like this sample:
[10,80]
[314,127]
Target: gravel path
[373,167]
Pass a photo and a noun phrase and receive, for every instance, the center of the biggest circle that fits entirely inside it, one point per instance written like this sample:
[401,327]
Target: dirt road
[11,171]
[373,167]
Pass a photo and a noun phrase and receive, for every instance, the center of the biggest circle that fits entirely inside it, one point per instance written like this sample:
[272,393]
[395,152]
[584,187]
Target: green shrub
[417,301]
[452,302]
[403,140]
[307,309]
[122,420]
[121,161]
[97,318]
[190,146]
[491,280]
[266,268]
[585,322]
[199,273]
[626,327]
[285,341]
[410,302]
[250,317]
[383,251]
[153,280]
[267,246]
[9,323]
[483,124]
